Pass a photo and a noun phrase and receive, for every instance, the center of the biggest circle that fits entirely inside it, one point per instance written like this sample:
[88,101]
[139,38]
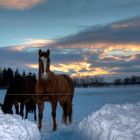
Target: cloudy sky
[86,37]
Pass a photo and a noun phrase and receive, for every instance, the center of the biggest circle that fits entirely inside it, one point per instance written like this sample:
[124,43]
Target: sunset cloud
[75,66]
[19,4]
[30,44]
[122,32]
[84,38]
[76,62]
[120,51]
[75,69]
[110,50]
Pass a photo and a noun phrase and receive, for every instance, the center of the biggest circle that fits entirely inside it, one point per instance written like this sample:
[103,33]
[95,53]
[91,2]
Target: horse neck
[39,74]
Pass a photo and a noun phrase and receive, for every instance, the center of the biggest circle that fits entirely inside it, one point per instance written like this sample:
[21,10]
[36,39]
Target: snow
[113,122]
[86,103]
[2,95]
[13,127]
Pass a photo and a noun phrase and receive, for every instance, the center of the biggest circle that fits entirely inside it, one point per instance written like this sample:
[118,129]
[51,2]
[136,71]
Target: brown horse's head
[44,63]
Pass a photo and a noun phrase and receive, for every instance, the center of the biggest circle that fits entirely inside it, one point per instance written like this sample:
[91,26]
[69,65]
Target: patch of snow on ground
[13,127]
[113,122]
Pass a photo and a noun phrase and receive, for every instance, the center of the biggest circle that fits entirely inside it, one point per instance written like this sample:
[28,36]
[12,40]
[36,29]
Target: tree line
[97,81]
[89,81]
[133,80]
[7,75]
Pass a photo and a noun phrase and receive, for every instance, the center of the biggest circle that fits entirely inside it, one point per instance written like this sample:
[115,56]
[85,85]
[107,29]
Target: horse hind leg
[54,106]
[69,113]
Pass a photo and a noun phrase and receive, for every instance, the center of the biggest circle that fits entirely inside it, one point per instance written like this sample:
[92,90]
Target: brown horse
[53,88]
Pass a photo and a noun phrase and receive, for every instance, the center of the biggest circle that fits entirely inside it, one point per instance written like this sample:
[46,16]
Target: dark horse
[14,96]
[30,98]
[53,88]
[21,90]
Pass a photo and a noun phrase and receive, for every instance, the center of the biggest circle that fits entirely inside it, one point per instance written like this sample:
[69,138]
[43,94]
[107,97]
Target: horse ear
[48,52]
[39,52]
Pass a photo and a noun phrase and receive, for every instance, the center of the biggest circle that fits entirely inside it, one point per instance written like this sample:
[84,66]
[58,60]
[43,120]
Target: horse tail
[68,104]
[64,119]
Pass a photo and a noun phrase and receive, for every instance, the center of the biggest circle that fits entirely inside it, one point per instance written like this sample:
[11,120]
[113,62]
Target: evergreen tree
[9,76]
[16,72]
[24,74]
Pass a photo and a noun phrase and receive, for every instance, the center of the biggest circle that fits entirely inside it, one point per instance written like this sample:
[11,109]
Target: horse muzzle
[44,76]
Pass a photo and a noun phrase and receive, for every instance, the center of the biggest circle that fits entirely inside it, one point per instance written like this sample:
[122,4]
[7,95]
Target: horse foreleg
[54,106]
[16,108]
[21,109]
[40,114]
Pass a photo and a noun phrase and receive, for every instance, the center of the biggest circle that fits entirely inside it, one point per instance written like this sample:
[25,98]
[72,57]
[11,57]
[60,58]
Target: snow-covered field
[113,122]
[98,114]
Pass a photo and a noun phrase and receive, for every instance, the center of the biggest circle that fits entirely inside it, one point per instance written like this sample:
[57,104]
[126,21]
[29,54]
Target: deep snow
[86,102]
[113,122]
[13,127]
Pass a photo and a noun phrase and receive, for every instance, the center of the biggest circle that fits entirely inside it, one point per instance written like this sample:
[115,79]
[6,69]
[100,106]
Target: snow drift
[113,122]
[13,127]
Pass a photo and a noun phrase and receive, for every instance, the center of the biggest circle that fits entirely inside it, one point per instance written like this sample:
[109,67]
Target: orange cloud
[120,51]
[37,41]
[134,47]
[106,52]
[34,66]
[67,67]
[97,71]
[77,68]
[19,4]
[32,44]
[116,51]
